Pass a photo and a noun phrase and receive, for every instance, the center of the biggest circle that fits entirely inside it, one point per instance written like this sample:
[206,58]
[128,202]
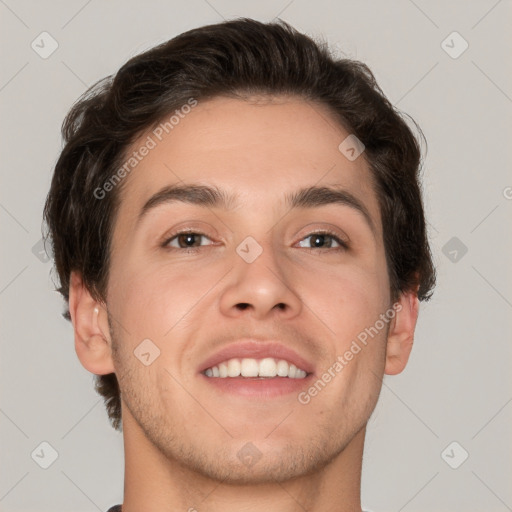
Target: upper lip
[257,350]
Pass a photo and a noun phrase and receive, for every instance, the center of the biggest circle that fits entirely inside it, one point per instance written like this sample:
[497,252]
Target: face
[257,270]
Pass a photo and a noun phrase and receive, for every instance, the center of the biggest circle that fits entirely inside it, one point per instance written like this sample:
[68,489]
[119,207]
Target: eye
[318,239]
[185,240]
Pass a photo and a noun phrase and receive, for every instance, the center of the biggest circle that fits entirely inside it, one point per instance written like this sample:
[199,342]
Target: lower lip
[259,387]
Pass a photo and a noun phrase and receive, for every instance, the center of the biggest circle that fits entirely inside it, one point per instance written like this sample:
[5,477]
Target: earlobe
[401,333]
[90,324]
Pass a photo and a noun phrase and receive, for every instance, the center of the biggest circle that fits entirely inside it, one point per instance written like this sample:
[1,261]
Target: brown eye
[324,240]
[186,240]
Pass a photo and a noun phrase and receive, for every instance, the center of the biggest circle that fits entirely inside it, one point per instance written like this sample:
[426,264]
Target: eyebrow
[209,196]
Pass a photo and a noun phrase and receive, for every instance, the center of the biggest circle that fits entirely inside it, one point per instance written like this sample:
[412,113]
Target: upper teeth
[247,367]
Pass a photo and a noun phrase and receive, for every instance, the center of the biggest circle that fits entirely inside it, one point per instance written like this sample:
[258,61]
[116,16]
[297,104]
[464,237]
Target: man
[238,230]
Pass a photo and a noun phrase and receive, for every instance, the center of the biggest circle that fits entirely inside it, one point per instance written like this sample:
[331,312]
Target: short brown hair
[237,58]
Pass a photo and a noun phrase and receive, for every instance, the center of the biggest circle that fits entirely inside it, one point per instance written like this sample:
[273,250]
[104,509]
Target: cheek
[152,300]
[347,299]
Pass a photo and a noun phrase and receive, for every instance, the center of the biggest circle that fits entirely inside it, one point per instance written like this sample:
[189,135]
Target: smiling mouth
[256,369]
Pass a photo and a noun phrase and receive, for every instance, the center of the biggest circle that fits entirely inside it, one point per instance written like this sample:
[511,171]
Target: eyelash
[343,245]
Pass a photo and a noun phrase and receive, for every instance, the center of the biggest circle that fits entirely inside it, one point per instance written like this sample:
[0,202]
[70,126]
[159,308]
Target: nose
[261,287]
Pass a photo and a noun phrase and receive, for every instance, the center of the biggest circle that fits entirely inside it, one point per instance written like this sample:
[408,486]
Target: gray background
[456,386]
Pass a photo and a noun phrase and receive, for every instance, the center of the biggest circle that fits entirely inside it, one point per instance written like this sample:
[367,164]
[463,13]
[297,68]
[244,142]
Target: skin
[181,437]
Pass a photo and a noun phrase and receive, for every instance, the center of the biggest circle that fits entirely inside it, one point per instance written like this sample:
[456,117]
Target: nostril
[243,305]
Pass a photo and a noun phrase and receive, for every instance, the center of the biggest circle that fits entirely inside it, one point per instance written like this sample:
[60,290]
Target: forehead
[257,150]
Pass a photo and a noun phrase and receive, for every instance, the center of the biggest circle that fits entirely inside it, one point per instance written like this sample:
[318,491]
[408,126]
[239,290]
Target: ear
[90,323]
[401,333]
